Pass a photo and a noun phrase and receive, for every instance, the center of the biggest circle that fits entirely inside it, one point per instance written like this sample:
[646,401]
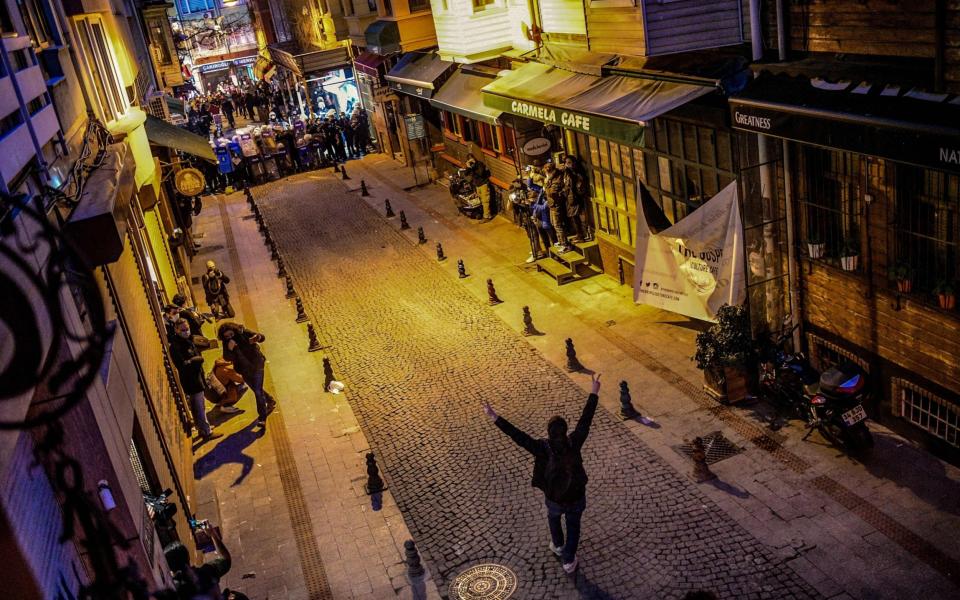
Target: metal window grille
[925,229]
[138,469]
[831,200]
[825,354]
[926,410]
[684,166]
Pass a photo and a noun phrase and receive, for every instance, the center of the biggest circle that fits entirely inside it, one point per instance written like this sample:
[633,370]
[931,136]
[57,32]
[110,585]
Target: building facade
[79,172]
[861,102]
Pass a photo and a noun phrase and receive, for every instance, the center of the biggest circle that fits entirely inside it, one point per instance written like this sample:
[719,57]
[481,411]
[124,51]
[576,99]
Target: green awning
[612,107]
[164,134]
[461,94]
[383,37]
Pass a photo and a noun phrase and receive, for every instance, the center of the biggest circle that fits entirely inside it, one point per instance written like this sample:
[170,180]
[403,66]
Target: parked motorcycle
[830,402]
[465,195]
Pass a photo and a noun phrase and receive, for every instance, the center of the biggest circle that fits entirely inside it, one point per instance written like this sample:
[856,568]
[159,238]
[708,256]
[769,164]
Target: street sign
[416,127]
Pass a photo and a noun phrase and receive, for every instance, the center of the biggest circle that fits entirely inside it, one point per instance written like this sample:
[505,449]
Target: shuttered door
[563,16]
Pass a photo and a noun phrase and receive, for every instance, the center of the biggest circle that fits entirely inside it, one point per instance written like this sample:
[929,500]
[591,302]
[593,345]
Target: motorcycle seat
[843,379]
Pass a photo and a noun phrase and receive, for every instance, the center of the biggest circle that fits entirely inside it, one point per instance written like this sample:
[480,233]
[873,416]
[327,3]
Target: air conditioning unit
[158,106]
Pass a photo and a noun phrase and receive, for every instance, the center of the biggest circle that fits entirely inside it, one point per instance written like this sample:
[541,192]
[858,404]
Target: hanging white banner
[695,266]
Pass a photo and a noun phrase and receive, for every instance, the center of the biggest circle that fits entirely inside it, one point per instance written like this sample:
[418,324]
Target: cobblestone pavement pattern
[418,354]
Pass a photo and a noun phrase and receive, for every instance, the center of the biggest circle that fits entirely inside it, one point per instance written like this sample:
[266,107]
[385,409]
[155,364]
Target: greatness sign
[695,266]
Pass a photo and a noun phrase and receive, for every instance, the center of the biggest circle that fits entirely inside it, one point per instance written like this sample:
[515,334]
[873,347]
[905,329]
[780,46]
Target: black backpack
[559,472]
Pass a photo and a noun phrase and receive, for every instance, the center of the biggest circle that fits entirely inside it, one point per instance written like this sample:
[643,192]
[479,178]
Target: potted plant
[850,254]
[902,273]
[725,352]
[946,295]
[815,245]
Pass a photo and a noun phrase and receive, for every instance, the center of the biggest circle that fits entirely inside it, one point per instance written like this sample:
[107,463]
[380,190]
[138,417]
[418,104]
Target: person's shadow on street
[589,589]
[229,450]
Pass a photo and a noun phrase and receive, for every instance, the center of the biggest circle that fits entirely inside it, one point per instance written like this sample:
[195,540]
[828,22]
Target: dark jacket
[246,357]
[540,450]
[556,194]
[479,174]
[215,284]
[189,363]
[573,185]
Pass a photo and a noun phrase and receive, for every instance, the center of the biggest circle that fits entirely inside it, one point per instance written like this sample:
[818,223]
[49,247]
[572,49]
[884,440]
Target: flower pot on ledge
[947,301]
[816,250]
[849,263]
[904,286]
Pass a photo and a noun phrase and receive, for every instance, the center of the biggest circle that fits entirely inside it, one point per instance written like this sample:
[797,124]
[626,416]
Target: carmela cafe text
[549,115]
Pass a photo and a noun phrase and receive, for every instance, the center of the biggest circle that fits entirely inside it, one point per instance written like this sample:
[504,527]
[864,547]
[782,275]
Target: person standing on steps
[187,359]
[558,471]
[241,346]
[557,201]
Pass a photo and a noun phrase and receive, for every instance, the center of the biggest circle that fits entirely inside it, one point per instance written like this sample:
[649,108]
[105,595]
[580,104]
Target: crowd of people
[241,366]
[551,204]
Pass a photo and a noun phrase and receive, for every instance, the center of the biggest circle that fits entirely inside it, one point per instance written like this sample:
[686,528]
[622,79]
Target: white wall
[461,32]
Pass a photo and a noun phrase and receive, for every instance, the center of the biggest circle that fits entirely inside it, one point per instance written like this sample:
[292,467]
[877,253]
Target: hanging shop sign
[416,127]
[536,146]
[213,67]
[189,182]
[902,141]
[695,266]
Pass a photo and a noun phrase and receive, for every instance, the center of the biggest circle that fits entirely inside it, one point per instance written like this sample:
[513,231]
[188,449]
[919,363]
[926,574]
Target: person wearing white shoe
[558,471]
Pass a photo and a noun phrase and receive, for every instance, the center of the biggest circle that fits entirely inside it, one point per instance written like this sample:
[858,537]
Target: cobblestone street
[418,354]
[419,349]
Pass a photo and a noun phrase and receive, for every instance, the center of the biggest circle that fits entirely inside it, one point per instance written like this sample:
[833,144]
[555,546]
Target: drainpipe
[768,246]
[792,267]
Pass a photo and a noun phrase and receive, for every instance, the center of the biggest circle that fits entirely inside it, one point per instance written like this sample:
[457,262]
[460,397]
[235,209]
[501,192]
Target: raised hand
[596,383]
[489,410]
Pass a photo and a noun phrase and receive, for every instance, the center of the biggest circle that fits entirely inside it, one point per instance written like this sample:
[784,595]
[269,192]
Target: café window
[489,137]
[479,5]
[831,201]
[419,5]
[925,229]
[509,141]
[681,166]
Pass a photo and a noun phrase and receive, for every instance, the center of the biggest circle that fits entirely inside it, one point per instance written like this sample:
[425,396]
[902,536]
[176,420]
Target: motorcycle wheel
[858,439]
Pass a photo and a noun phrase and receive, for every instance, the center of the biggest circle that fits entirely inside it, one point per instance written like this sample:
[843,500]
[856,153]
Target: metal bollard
[528,328]
[573,363]
[493,299]
[314,342]
[374,481]
[412,558]
[627,411]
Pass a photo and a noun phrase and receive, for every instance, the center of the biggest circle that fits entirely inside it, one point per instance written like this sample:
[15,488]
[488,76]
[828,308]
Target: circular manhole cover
[484,582]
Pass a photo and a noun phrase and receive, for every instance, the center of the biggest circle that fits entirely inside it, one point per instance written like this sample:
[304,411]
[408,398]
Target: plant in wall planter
[902,273]
[815,246]
[726,352]
[946,295]
[850,255]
